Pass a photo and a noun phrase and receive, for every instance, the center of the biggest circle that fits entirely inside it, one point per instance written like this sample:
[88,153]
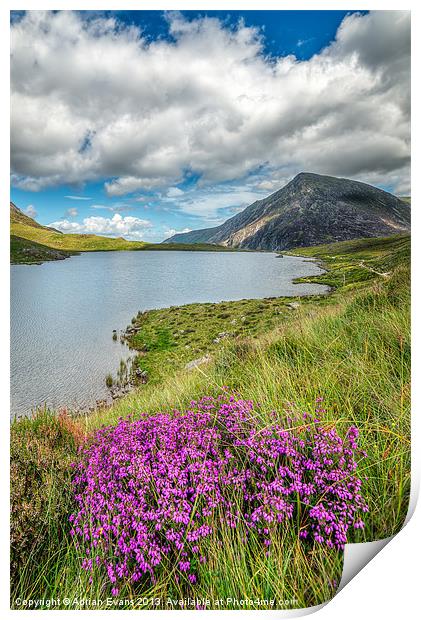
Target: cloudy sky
[146,123]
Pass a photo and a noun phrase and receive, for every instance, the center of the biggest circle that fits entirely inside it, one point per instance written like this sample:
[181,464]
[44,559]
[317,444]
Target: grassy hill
[33,243]
[23,251]
[18,217]
[350,348]
[25,227]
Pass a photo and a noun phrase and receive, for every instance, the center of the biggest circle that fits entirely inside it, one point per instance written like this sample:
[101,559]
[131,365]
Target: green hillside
[18,217]
[23,251]
[26,228]
[43,242]
[76,243]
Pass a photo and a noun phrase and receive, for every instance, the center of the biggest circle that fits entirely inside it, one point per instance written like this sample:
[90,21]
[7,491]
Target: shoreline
[128,334]
[152,247]
[108,399]
[317,255]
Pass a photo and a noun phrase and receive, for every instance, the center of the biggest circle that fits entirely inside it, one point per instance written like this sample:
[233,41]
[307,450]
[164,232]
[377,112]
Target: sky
[142,124]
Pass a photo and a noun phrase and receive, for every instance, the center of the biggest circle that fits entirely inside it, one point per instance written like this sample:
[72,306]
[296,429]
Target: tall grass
[355,353]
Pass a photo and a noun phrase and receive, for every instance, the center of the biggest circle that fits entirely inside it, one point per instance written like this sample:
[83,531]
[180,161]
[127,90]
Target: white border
[388,586]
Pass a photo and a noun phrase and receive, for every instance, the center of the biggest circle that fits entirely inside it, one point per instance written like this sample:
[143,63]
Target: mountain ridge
[17,216]
[310,210]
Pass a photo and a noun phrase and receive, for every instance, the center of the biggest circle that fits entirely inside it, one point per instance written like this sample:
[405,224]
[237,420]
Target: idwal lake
[63,313]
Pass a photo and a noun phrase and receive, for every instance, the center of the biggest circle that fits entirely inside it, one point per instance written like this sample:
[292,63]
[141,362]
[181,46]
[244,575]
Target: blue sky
[145,123]
[302,33]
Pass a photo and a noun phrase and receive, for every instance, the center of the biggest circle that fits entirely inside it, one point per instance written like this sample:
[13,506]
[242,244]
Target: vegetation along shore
[271,381]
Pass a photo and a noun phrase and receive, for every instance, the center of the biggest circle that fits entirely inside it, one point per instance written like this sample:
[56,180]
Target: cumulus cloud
[170,232]
[215,203]
[72,212]
[271,184]
[127,185]
[92,99]
[31,211]
[117,226]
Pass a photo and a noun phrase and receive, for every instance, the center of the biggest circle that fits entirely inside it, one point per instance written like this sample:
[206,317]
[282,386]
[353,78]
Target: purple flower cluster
[152,492]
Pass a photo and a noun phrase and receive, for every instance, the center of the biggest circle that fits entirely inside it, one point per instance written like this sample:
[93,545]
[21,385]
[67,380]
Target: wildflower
[153,489]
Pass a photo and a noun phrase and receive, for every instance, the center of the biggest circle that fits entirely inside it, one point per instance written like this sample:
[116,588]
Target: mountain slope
[18,217]
[23,226]
[310,210]
[26,251]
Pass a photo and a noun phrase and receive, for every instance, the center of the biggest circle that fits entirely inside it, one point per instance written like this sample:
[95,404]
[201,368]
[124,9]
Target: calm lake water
[63,312]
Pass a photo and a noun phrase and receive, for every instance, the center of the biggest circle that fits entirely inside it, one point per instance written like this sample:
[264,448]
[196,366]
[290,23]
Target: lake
[63,313]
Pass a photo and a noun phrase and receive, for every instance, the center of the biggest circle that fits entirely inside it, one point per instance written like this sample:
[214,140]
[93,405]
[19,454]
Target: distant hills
[25,227]
[310,210]
[30,242]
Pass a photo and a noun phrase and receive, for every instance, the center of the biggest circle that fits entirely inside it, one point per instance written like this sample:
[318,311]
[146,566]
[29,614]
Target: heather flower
[151,492]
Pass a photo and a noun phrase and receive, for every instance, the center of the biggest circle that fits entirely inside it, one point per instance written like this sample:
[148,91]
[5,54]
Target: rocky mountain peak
[311,209]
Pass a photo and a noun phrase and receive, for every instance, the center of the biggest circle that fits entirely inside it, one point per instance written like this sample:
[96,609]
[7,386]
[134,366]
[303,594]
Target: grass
[27,252]
[79,243]
[352,264]
[166,340]
[96,243]
[351,347]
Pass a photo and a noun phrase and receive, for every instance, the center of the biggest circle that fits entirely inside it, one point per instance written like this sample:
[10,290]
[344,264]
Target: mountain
[312,209]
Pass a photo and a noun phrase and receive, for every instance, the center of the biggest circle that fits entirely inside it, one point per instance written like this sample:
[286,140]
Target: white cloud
[170,232]
[216,203]
[302,42]
[92,99]
[174,192]
[31,211]
[72,212]
[78,197]
[117,226]
[127,185]
[271,185]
